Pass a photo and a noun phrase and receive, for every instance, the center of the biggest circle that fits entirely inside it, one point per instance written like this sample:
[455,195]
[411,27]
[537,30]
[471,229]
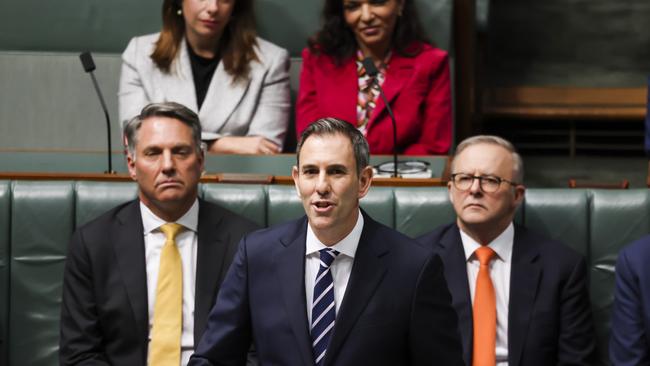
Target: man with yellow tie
[521,299]
[140,280]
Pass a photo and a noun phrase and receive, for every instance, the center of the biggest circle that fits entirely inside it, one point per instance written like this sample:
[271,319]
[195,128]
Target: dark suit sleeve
[81,338]
[434,337]
[227,338]
[628,343]
[576,343]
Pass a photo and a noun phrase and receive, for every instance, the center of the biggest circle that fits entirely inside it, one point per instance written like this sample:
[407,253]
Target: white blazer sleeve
[132,96]
[271,119]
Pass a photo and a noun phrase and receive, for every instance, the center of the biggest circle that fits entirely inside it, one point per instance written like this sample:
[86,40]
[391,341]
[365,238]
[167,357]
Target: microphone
[372,71]
[89,66]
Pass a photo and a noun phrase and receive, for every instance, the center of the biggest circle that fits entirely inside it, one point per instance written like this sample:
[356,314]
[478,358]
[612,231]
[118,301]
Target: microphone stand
[89,66]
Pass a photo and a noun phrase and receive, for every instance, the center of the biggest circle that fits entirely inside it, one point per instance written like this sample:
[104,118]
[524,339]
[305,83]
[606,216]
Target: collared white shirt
[340,268]
[500,274]
[186,241]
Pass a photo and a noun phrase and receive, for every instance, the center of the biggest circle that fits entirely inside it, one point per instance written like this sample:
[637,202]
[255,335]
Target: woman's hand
[244,145]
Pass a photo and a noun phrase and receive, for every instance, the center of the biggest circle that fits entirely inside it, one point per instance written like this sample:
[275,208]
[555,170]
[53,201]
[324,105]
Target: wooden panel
[566,102]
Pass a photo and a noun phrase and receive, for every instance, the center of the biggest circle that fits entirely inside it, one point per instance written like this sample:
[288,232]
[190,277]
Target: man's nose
[476,186]
[168,163]
[323,184]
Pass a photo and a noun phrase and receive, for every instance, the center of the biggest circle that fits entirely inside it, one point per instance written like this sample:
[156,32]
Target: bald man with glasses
[521,298]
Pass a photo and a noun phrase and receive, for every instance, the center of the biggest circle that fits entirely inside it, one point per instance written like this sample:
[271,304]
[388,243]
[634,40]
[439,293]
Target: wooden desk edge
[214,178]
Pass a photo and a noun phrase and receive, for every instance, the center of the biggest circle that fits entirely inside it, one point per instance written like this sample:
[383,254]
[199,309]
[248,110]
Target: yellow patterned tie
[165,345]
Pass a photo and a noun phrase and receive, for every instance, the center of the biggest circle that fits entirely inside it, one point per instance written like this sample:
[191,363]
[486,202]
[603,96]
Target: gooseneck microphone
[89,66]
[372,71]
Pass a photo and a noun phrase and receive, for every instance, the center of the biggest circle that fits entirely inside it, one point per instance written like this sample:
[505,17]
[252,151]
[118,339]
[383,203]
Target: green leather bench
[37,219]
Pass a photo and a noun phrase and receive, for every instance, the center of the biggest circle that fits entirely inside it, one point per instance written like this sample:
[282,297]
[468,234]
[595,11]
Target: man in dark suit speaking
[521,298]
[140,280]
[333,287]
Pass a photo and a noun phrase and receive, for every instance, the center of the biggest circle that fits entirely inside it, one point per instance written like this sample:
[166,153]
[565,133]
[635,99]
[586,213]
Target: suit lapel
[289,260]
[178,84]
[396,75]
[128,242]
[524,282]
[453,256]
[367,273]
[223,96]
[210,266]
[344,85]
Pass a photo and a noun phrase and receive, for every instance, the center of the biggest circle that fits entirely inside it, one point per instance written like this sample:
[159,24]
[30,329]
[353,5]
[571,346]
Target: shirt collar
[502,244]
[347,246]
[151,222]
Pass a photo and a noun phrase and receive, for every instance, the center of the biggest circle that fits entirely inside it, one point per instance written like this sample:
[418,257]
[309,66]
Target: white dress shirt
[186,241]
[500,275]
[340,268]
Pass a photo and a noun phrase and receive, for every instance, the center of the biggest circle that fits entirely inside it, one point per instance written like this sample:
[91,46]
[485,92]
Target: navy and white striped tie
[323,310]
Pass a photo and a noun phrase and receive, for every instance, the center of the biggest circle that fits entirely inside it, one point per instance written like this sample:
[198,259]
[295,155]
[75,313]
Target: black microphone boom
[89,66]
[372,71]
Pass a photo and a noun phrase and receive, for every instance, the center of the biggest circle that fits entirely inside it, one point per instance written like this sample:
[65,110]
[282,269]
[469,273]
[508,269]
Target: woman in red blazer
[414,76]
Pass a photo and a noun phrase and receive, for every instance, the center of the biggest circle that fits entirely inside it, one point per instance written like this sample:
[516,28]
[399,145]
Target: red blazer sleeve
[436,123]
[306,105]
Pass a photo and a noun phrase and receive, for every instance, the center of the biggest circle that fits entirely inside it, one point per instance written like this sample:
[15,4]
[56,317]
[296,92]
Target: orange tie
[485,312]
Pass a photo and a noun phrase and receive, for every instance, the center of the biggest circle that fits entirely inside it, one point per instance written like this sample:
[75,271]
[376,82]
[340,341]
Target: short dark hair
[166,109]
[333,126]
[336,39]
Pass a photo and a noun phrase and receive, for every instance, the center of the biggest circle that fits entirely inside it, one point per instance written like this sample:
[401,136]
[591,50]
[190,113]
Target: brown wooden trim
[623,184]
[566,102]
[213,178]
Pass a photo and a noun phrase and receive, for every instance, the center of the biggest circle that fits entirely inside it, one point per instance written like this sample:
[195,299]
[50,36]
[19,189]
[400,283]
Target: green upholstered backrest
[283,204]
[561,214]
[616,219]
[5,221]
[246,200]
[420,210]
[106,26]
[38,217]
[42,221]
[94,198]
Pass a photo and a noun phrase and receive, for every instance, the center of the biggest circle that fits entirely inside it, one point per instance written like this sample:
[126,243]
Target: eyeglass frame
[480,182]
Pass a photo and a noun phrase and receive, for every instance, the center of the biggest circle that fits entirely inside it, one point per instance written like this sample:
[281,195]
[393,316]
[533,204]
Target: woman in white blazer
[209,58]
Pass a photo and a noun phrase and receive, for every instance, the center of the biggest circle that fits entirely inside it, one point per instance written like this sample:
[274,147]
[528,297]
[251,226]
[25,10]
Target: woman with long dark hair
[209,58]
[413,73]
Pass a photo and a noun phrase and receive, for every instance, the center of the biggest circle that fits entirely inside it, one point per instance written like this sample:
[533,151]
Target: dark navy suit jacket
[396,309]
[549,314]
[630,337]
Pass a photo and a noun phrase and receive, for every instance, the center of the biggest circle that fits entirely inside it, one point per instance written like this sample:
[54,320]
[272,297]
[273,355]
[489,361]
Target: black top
[202,71]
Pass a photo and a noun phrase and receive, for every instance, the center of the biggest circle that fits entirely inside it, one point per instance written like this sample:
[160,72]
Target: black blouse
[202,71]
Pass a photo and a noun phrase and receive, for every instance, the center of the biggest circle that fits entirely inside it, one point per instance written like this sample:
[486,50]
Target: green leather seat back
[42,220]
[617,218]
[106,26]
[94,198]
[561,214]
[247,200]
[283,204]
[420,210]
[5,219]
[379,204]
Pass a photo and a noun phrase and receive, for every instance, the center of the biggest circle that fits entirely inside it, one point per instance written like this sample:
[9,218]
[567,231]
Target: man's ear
[365,180]
[520,193]
[295,175]
[451,196]
[130,163]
